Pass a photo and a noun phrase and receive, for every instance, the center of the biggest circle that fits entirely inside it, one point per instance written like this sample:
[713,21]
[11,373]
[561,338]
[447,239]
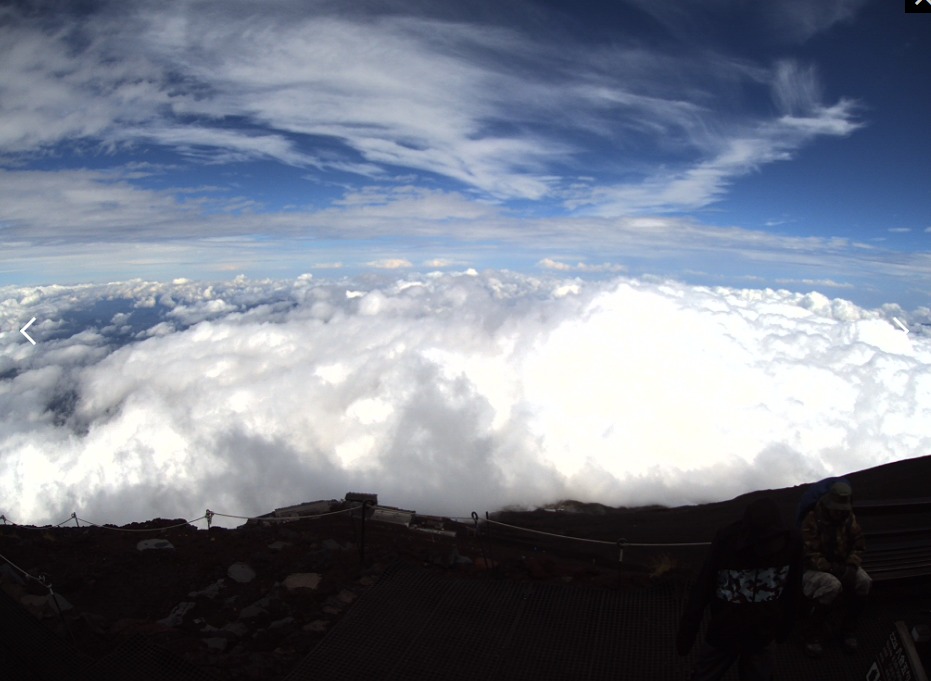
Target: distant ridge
[894,480]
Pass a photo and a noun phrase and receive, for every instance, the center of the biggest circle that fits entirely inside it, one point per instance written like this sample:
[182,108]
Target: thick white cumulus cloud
[446,393]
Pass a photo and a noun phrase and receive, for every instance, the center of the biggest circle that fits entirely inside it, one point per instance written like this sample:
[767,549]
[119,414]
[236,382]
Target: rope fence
[42,580]
[208,516]
[281,519]
[620,543]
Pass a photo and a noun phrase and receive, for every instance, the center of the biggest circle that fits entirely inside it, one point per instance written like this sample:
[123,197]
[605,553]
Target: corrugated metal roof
[307,508]
[390,515]
[361,496]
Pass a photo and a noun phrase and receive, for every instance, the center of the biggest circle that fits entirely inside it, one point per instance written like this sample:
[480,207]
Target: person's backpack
[812,495]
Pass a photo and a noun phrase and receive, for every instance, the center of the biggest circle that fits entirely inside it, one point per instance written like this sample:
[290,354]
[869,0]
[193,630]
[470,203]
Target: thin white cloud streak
[817,283]
[796,92]
[561,266]
[53,225]
[799,21]
[391,264]
[786,21]
[78,205]
[489,105]
[448,393]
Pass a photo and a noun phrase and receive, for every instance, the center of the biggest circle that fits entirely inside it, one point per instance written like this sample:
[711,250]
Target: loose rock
[216,643]
[240,572]
[210,592]
[302,580]
[176,616]
[237,629]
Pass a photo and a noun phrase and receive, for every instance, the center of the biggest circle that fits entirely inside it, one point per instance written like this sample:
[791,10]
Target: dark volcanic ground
[250,603]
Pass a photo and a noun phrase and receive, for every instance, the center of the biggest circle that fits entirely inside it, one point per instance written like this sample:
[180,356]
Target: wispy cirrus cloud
[803,117]
[486,103]
[798,21]
[787,21]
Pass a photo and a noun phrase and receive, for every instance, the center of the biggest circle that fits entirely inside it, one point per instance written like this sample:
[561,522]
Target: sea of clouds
[445,393]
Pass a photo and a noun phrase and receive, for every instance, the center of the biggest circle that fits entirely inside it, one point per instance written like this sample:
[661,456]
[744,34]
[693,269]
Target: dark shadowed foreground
[436,600]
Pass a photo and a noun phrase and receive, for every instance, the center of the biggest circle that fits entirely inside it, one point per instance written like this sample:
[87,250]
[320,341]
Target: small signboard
[898,660]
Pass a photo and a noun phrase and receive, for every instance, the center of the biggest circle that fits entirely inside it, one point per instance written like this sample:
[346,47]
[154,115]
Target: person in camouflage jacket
[834,574]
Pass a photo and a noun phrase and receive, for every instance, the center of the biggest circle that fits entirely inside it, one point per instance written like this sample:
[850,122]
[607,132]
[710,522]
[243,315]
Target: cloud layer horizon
[445,393]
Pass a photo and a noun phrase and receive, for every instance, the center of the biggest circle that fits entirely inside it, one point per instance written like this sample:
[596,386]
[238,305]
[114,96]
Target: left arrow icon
[23,331]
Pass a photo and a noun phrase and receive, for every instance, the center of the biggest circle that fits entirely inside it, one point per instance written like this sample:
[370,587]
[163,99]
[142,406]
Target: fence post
[362,539]
[621,543]
[481,542]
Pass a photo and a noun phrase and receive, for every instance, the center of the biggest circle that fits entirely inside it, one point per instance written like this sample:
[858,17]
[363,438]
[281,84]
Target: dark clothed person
[834,577]
[751,582]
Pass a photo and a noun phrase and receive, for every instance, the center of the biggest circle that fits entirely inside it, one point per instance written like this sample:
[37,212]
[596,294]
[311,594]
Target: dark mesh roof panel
[141,660]
[420,624]
[29,650]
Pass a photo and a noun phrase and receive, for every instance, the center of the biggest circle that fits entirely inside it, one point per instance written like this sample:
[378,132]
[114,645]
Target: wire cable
[143,529]
[37,580]
[281,519]
[597,541]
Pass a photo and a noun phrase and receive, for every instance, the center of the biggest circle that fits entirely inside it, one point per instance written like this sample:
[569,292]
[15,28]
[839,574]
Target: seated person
[833,576]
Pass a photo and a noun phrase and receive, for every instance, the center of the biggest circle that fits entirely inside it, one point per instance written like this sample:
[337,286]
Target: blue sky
[781,144]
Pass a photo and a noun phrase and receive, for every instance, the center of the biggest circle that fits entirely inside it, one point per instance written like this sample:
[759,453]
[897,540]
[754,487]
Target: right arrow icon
[900,325]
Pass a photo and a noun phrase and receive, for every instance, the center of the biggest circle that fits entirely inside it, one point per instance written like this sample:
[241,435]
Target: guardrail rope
[140,529]
[208,516]
[282,519]
[42,580]
[21,571]
[7,521]
[549,534]
[621,544]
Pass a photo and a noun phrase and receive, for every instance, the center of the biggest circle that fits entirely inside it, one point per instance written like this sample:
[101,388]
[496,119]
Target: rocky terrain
[247,602]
